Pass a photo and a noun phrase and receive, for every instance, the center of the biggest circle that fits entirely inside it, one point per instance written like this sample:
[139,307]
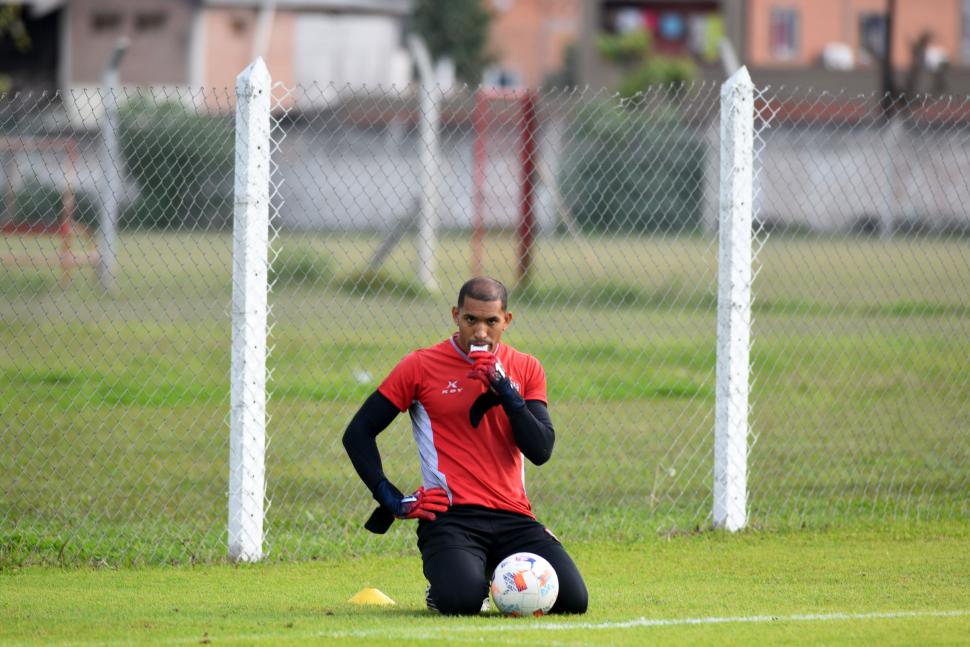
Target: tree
[12,25]
[457,29]
[633,52]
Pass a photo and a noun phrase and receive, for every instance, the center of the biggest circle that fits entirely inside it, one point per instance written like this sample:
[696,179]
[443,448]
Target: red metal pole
[478,195]
[529,133]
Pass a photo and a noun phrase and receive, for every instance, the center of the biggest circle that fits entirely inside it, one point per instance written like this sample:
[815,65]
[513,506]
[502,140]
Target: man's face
[480,322]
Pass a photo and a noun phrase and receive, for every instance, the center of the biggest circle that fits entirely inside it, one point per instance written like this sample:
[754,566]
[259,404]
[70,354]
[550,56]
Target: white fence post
[250,253]
[428,154]
[734,302]
[111,184]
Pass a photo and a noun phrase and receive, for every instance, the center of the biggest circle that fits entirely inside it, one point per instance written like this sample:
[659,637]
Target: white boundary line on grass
[812,617]
[443,632]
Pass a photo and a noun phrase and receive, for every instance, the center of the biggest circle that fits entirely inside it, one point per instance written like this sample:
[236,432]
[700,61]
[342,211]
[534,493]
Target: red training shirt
[475,465]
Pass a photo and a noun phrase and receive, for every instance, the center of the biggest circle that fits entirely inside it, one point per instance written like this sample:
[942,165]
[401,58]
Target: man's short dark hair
[483,288]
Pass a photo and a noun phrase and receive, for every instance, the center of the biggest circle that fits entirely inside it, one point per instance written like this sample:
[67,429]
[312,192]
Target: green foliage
[658,70]
[457,29]
[182,163]
[629,170]
[37,203]
[626,48]
[14,28]
[633,51]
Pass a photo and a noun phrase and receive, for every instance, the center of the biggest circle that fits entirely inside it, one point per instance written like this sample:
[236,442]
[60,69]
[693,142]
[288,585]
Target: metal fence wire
[599,212]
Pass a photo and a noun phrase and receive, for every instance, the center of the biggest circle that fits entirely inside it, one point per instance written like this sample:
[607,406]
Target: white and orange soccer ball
[524,584]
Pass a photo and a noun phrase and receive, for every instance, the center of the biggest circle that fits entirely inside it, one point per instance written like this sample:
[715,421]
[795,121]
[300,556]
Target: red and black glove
[423,504]
[489,371]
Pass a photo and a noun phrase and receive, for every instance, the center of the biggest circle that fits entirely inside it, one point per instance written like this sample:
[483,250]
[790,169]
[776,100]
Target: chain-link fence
[862,305]
[599,213]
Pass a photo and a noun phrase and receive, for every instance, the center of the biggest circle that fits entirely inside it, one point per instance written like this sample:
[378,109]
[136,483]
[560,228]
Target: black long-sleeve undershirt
[360,438]
[531,428]
[533,431]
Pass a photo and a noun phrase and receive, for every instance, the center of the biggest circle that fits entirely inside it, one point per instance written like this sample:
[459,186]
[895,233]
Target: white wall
[333,51]
[830,180]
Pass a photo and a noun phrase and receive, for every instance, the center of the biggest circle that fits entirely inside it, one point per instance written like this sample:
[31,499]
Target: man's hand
[487,369]
[423,504]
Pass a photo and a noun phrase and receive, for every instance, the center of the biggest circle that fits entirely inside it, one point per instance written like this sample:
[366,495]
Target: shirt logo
[451,388]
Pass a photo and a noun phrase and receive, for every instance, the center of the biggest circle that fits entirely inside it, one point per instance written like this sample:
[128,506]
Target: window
[102,21]
[500,77]
[872,36]
[784,34]
[150,21]
[238,23]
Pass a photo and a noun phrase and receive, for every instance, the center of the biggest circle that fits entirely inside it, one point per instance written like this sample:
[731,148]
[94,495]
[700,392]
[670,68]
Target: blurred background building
[203,43]
[532,40]
[825,44]
[62,45]
[346,85]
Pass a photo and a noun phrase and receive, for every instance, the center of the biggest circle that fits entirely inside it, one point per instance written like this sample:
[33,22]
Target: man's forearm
[532,430]
[360,438]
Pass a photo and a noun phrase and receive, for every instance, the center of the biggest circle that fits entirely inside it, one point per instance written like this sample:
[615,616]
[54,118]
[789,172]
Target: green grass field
[113,410]
[890,584]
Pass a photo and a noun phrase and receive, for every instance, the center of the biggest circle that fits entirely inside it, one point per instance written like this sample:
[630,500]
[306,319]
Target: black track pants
[462,547]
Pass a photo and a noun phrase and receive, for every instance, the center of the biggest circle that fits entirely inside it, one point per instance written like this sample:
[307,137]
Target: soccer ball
[524,584]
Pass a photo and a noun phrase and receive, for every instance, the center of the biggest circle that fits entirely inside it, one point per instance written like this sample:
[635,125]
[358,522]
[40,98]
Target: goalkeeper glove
[489,371]
[423,504]
[420,505]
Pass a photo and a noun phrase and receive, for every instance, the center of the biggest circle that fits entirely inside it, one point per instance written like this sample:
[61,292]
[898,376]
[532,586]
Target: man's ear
[454,314]
[508,318]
